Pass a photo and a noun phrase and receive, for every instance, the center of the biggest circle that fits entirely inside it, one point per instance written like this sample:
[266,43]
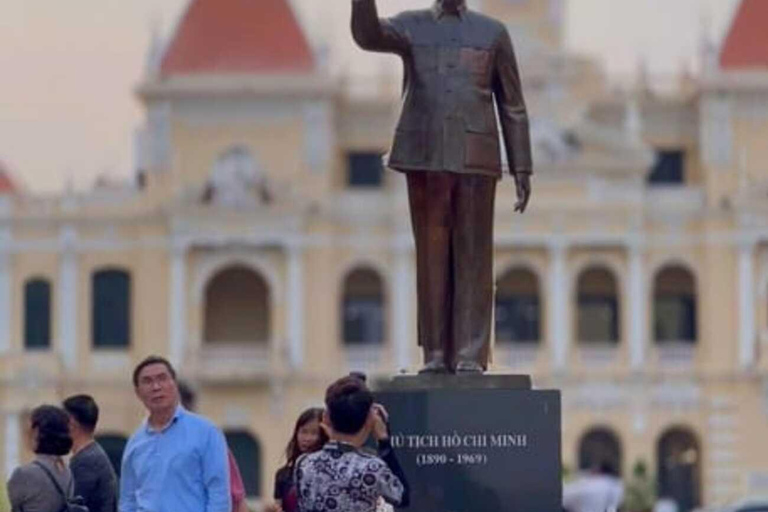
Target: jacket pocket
[475,60]
[409,148]
[481,150]
[479,116]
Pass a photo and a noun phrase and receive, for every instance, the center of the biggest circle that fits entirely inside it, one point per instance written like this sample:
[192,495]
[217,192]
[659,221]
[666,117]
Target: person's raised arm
[375,34]
[394,486]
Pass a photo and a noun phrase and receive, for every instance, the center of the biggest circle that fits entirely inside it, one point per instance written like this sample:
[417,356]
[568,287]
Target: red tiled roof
[747,43]
[237,36]
[7,186]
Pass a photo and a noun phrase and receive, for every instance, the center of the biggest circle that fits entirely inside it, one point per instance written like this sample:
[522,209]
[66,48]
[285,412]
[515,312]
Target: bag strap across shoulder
[52,479]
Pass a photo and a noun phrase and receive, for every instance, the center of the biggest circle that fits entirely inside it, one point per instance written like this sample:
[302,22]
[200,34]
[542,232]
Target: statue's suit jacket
[453,73]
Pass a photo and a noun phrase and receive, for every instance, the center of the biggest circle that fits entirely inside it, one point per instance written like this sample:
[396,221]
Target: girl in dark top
[307,437]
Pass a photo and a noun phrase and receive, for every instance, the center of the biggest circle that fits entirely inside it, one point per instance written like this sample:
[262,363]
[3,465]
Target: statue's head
[451,5]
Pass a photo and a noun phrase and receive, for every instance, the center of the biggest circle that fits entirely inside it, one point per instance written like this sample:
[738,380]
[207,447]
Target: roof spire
[746,46]
[155,52]
[633,123]
[707,49]
[238,37]
[642,78]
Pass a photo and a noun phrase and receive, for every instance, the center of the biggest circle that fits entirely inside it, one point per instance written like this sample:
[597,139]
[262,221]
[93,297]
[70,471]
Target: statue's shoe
[469,367]
[434,366]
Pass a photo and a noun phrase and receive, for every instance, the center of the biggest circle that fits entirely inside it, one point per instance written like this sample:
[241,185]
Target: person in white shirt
[665,504]
[599,490]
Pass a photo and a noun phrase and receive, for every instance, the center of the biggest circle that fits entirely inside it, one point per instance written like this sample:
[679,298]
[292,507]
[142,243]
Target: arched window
[114,446]
[363,308]
[237,307]
[518,308]
[598,306]
[111,317]
[247,452]
[37,314]
[679,468]
[674,306]
[600,448]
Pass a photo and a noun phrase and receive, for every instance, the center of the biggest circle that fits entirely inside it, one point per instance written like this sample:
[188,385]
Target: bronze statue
[456,63]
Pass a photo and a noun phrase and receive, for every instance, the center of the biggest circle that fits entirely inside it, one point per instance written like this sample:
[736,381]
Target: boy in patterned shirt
[342,477]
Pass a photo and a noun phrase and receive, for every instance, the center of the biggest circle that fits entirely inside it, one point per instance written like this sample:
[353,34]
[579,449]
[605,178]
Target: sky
[68,69]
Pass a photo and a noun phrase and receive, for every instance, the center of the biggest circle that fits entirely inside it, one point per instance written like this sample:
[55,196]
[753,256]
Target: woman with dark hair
[35,486]
[307,437]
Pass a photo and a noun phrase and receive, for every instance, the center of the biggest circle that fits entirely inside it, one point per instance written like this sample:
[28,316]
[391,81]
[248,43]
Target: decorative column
[401,306]
[638,307]
[178,303]
[6,295]
[747,332]
[12,442]
[558,318]
[319,135]
[295,319]
[68,297]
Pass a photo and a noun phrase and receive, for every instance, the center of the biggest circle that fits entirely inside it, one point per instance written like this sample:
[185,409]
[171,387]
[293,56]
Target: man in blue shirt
[176,461]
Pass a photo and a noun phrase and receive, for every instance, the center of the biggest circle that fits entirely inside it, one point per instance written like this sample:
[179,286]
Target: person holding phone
[343,477]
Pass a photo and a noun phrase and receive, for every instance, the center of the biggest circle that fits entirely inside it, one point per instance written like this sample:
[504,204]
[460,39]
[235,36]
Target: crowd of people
[179,461]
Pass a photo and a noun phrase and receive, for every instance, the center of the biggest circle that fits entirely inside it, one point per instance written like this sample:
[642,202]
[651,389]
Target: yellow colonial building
[262,248]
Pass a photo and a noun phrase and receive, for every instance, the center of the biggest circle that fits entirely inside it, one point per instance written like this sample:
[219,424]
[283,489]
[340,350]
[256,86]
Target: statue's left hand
[523,186]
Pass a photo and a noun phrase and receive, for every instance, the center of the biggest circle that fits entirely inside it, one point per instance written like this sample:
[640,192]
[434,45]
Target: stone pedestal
[486,443]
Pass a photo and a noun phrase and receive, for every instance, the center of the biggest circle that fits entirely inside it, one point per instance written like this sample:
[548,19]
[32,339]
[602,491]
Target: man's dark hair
[83,409]
[52,424]
[349,402]
[187,396]
[359,375]
[149,361]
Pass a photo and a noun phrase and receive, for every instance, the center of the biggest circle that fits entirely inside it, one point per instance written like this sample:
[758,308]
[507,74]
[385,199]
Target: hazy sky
[68,68]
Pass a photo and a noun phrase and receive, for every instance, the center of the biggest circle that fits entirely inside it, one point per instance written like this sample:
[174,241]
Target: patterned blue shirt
[181,468]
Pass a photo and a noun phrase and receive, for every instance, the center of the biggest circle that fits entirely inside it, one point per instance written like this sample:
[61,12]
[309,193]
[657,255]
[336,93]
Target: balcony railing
[675,198]
[31,368]
[675,355]
[598,354]
[516,355]
[236,362]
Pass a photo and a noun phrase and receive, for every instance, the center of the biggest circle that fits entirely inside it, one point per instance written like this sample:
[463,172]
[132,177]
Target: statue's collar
[439,11]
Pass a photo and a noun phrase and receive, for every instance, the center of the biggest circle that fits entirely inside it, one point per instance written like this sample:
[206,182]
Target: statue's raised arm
[373,33]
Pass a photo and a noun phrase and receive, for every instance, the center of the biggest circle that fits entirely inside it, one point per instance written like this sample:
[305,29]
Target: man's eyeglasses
[161,380]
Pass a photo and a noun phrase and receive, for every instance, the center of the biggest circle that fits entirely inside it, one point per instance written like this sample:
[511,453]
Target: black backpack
[76,504]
